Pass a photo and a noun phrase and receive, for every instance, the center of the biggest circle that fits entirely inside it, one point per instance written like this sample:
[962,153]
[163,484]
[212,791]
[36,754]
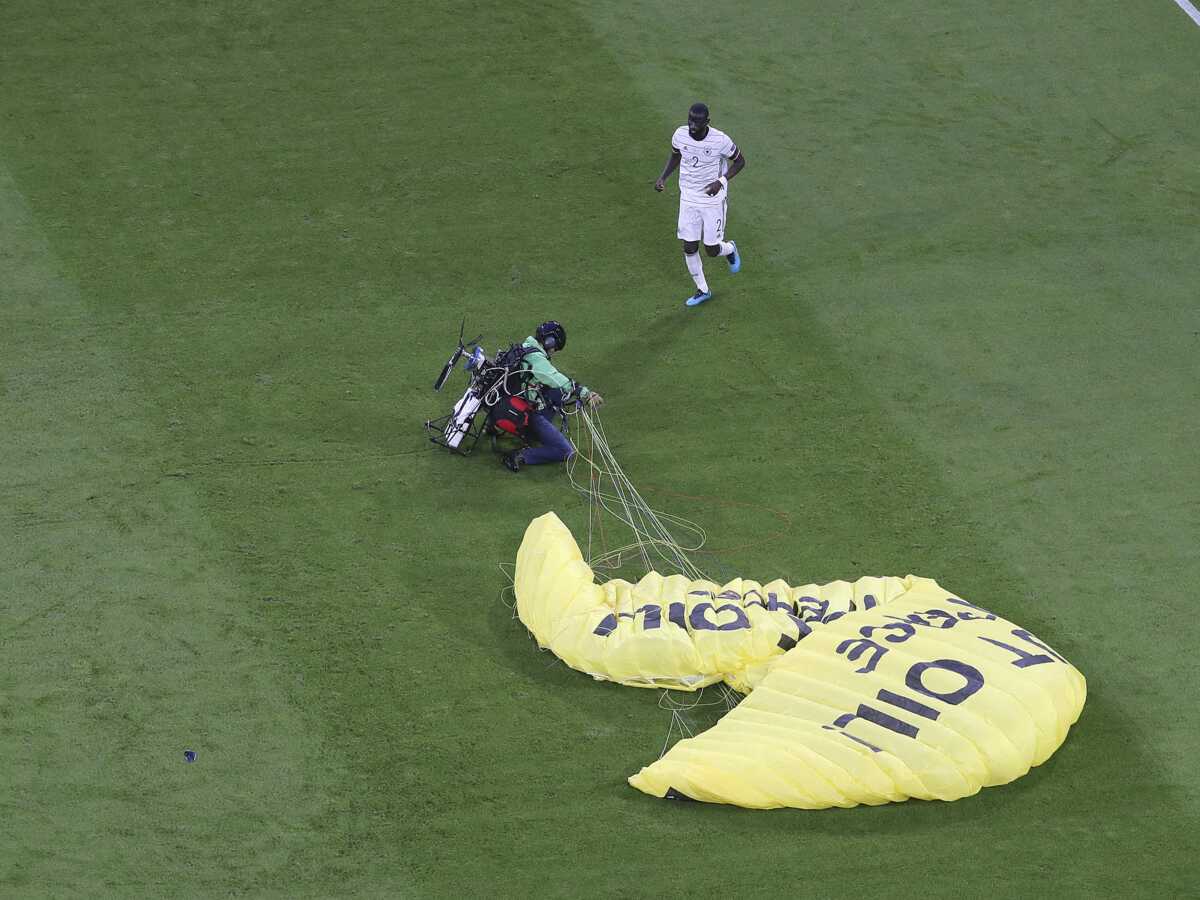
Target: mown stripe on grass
[125,640]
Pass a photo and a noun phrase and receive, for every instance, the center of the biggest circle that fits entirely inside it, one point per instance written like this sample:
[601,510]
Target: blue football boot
[699,297]
[734,259]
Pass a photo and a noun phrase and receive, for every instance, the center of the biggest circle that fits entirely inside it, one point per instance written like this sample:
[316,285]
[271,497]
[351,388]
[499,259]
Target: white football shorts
[702,223]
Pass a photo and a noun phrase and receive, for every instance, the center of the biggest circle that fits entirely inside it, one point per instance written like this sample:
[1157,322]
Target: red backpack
[511,415]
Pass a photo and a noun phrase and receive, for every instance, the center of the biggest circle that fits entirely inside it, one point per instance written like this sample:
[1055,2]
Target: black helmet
[551,335]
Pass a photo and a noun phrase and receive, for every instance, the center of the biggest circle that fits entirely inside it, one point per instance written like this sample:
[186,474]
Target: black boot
[512,461]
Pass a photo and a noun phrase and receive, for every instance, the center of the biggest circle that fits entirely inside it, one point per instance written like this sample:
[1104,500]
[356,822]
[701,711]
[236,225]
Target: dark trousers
[553,445]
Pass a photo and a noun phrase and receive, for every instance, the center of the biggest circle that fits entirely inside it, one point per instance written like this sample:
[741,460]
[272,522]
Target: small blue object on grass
[189,755]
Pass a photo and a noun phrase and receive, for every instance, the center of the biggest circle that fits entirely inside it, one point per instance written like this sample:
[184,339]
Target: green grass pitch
[236,243]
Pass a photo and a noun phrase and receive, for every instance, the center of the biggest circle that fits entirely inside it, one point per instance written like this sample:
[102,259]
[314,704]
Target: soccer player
[707,161]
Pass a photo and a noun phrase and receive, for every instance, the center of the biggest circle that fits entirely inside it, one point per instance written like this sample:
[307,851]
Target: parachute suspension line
[730,697]
[610,491]
[597,474]
[509,571]
[595,511]
[680,726]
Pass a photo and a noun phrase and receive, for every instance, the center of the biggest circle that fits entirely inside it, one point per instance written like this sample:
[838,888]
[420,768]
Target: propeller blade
[441,379]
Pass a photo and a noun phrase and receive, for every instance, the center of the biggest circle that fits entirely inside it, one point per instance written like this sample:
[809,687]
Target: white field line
[1193,13]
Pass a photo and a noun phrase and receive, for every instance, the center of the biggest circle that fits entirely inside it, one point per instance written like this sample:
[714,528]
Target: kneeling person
[547,390]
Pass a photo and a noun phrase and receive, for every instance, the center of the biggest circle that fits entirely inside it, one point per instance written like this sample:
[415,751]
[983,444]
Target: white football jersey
[703,163]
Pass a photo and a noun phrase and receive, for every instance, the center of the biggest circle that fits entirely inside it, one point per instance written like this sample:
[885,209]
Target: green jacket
[544,374]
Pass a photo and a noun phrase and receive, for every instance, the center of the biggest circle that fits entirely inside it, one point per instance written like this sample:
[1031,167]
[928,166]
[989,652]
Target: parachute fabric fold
[929,697]
[670,632]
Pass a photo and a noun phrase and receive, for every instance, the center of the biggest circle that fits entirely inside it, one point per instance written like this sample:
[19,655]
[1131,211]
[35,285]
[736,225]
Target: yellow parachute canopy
[669,632]
[870,692]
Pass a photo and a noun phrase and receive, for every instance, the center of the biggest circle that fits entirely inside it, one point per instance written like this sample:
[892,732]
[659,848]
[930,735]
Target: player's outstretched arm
[671,166]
